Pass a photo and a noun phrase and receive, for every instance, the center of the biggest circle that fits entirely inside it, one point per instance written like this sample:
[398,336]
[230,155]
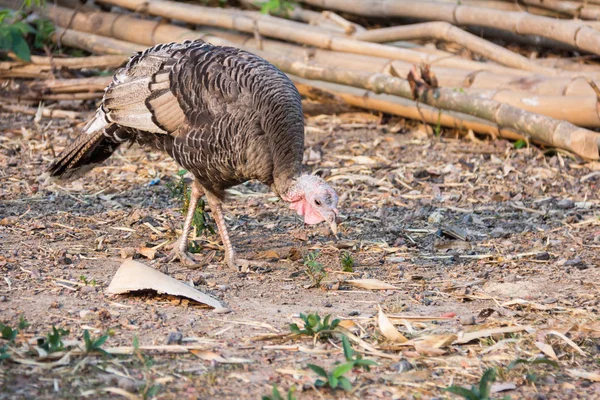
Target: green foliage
[8,333]
[479,392]
[181,191]
[53,341]
[14,31]
[275,7]
[94,345]
[354,358]
[347,262]
[313,325]
[335,379]
[314,269]
[519,144]
[275,395]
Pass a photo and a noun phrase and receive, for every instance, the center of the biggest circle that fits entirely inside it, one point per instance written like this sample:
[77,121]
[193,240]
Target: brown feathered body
[223,114]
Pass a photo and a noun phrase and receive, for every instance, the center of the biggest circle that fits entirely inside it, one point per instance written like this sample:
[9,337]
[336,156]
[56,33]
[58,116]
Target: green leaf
[100,341]
[20,46]
[343,369]
[313,319]
[335,323]
[319,383]
[348,351]
[365,362]
[463,392]
[8,333]
[318,370]
[136,342]
[519,144]
[23,27]
[544,360]
[489,376]
[295,329]
[333,381]
[275,393]
[345,384]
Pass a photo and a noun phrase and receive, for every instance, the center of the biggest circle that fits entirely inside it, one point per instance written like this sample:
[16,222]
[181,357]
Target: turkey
[225,115]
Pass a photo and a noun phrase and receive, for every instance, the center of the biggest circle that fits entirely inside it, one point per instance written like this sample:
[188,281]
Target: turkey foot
[180,253]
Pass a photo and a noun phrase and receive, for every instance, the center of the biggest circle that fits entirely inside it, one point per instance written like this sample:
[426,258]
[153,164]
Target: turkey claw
[184,258]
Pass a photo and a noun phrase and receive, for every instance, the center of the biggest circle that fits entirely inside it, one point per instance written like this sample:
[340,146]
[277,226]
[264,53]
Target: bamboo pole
[95,44]
[450,33]
[574,33]
[45,111]
[583,11]
[291,31]
[42,67]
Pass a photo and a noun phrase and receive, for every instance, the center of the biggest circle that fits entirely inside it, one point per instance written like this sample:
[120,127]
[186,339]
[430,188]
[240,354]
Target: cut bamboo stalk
[574,33]
[41,67]
[583,11]
[291,31]
[94,43]
[77,85]
[450,33]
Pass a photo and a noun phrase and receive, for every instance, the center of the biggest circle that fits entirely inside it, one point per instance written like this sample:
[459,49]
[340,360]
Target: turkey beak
[331,220]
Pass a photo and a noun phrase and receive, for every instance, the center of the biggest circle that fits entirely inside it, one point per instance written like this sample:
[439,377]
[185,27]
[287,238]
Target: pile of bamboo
[490,90]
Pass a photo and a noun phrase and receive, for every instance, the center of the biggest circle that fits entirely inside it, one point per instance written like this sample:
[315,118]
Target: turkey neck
[284,127]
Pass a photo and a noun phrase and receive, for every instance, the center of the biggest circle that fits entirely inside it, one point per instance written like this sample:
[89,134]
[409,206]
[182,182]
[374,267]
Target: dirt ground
[476,231]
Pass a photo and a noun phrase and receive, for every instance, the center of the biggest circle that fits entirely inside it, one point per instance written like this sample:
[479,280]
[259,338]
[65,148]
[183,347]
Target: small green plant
[480,392]
[354,358]
[275,7]
[347,262]
[53,341]
[94,345]
[14,30]
[275,395]
[181,191]
[519,144]
[313,325]
[10,335]
[335,379]
[314,269]
[437,130]
[87,282]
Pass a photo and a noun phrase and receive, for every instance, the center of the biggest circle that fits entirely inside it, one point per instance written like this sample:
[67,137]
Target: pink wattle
[303,208]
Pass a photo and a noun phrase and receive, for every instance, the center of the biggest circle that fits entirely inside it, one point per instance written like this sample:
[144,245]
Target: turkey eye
[318,202]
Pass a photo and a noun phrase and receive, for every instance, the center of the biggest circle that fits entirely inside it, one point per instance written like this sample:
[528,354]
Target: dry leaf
[547,350]
[208,355]
[134,276]
[579,373]
[467,337]
[147,252]
[568,341]
[388,330]
[371,284]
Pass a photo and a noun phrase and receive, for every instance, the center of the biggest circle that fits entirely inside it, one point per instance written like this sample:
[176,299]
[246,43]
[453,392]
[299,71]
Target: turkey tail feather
[95,143]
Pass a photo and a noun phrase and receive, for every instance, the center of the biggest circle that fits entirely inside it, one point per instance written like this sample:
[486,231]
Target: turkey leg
[217,212]
[180,248]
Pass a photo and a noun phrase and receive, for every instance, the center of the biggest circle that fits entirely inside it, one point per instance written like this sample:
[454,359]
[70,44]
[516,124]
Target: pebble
[542,256]
[3,299]
[222,287]
[221,310]
[327,305]
[175,337]
[577,263]
[499,233]
[64,261]
[468,320]
[87,289]
[127,384]
[86,314]
[435,218]
[353,313]
[402,366]
[565,204]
